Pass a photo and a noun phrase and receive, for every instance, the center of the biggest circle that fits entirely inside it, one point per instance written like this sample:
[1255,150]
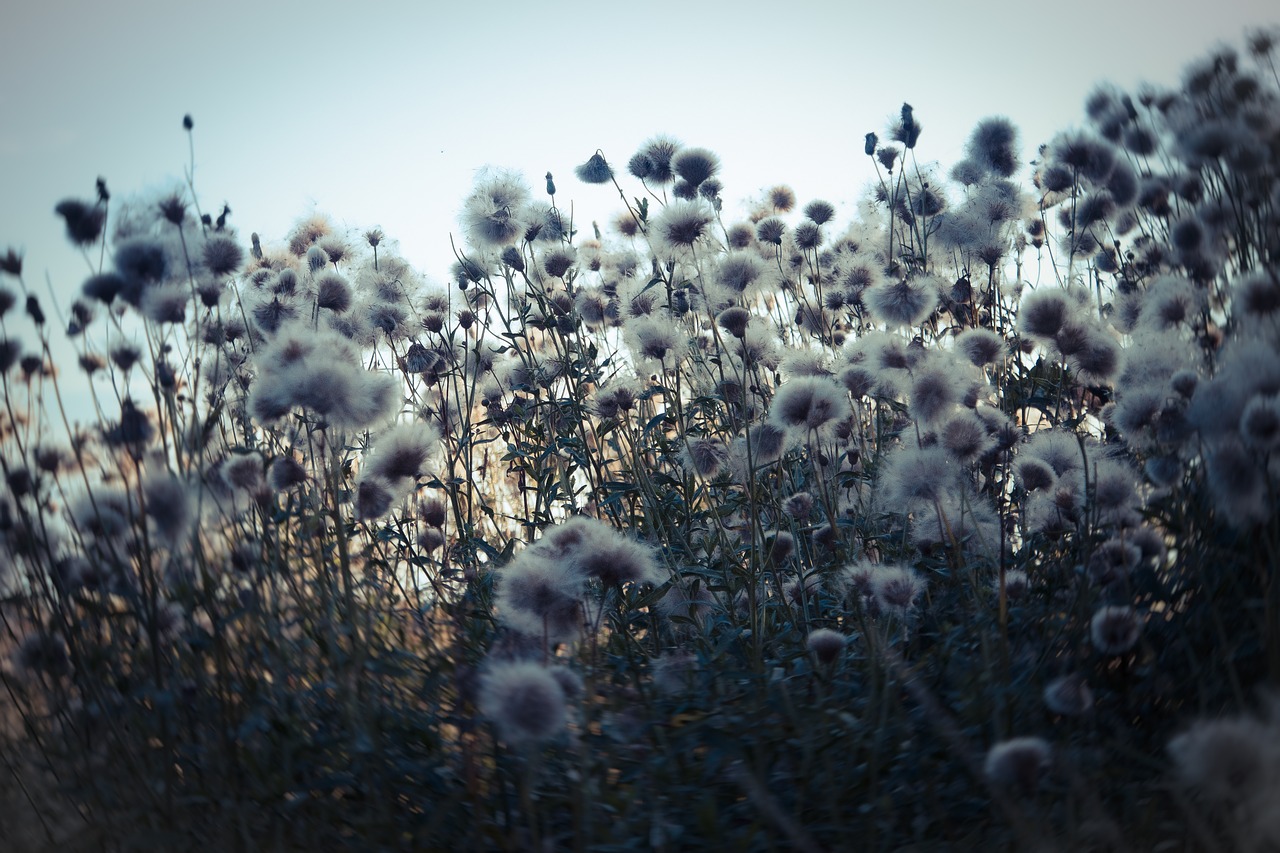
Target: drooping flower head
[595,171]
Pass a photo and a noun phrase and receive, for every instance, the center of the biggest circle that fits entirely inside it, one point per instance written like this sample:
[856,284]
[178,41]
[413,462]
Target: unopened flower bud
[34,310]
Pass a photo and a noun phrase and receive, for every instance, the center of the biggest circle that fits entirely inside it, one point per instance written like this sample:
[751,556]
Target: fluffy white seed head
[525,701]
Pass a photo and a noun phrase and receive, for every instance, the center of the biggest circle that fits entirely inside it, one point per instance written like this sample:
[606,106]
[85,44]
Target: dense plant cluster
[953,524]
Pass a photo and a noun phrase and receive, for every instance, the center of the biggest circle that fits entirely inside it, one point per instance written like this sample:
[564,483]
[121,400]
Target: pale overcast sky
[380,113]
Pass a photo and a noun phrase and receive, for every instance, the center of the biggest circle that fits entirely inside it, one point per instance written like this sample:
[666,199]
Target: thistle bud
[909,130]
[34,310]
[11,262]
[870,147]
[511,257]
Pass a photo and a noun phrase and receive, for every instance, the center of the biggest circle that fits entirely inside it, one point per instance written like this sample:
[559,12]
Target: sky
[381,114]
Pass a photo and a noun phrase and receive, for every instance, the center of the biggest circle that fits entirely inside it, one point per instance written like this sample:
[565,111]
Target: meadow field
[953,526]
